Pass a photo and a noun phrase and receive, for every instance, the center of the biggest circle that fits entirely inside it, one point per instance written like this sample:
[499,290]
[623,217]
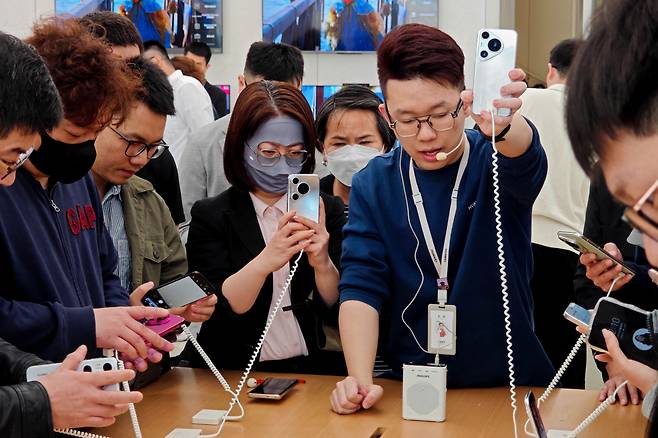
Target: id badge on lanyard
[441,317]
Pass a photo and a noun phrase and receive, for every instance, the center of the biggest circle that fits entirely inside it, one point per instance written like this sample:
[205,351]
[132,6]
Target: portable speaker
[424,392]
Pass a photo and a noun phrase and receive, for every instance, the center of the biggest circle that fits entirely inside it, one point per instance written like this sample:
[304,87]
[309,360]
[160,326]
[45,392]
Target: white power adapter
[424,392]
[208,416]
[184,433]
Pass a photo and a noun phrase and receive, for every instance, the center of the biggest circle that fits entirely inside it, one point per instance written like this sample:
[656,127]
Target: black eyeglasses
[438,122]
[643,216]
[135,148]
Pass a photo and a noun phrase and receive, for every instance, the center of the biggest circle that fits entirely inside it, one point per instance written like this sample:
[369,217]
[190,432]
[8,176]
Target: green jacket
[157,252]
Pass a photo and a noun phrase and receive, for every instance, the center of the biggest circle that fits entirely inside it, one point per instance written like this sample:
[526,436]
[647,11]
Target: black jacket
[24,407]
[603,224]
[224,236]
[218,98]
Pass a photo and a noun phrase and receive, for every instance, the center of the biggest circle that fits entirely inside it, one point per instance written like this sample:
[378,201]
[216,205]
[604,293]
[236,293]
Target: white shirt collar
[260,206]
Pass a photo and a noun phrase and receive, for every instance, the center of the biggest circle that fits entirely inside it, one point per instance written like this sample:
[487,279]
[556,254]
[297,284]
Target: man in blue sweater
[386,257]
[56,258]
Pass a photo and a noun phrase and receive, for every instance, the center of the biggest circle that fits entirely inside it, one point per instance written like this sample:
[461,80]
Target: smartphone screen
[179,292]
[274,386]
[630,327]
[533,414]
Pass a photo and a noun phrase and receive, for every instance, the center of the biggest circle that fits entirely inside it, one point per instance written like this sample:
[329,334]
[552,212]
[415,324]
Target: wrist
[261,267]
[324,265]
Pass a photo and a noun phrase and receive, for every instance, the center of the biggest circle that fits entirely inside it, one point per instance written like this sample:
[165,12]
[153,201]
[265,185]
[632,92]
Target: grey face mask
[281,130]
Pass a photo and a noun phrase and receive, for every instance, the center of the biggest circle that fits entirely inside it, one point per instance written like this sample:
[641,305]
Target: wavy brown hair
[94,84]
[257,104]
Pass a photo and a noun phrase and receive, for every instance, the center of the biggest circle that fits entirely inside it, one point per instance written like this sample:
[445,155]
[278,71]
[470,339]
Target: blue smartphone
[578,315]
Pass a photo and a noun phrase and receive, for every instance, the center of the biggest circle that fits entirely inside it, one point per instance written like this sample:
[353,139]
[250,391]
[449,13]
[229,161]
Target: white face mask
[347,160]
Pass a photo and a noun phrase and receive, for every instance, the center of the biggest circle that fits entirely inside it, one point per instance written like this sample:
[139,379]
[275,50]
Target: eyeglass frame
[146,147]
[426,119]
[633,215]
[255,151]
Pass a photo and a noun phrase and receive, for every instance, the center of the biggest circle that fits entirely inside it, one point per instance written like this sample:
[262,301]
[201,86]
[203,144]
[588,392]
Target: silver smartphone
[273,388]
[304,195]
[578,315]
[583,245]
[533,414]
[495,57]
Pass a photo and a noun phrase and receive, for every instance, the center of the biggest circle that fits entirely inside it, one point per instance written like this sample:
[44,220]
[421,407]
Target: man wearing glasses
[435,191]
[137,218]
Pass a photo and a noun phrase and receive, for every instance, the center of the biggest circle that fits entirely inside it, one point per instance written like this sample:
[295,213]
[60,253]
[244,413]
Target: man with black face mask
[56,258]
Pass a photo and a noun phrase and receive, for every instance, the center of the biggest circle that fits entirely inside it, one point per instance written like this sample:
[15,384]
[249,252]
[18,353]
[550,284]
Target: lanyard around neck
[441,265]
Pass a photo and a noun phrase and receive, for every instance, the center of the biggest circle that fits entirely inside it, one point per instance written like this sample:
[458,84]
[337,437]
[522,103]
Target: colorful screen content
[175,23]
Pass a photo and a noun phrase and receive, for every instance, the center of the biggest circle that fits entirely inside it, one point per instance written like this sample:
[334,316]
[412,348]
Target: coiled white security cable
[503,272]
[261,340]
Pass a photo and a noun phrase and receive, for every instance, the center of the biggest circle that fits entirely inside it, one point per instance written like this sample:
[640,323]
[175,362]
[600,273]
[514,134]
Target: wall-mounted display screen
[175,23]
[341,25]
[317,94]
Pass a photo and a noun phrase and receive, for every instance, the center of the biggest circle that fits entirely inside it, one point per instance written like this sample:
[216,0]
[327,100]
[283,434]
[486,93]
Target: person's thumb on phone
[137,295]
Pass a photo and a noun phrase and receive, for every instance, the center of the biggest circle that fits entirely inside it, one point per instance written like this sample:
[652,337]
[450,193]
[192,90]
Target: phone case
[165,326]
[304,195]
[492,67]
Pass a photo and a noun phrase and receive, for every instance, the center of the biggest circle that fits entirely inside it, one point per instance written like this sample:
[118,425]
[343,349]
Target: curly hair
[94,84]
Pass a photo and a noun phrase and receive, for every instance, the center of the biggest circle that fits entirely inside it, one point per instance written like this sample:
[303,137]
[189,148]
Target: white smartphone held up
[494,58]
[304,195]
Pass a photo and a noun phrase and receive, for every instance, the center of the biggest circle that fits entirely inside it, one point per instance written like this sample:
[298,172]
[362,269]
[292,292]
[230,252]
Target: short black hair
[613,83]
[275,62]
[200,49]
[156,92]
[114,28]
[29,101]
[353,97]
[562,55]
[158,47]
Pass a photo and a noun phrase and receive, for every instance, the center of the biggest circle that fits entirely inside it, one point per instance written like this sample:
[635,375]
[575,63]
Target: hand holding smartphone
[180,292]
[583,245]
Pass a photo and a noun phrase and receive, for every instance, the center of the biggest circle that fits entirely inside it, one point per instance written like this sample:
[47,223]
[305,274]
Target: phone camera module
[86,368]
[485,35]
[303,188]
[107,366]
[295,180]
[495,45]
[484,53]
[295,196]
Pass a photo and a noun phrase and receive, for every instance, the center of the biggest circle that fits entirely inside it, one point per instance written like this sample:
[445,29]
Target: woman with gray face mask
[351,131]
[244,240]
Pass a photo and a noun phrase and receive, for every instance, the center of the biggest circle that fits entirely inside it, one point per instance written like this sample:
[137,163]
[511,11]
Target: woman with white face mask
[351,131]
[244,241]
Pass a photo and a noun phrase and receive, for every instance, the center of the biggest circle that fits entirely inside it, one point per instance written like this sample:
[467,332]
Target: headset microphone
[442,156]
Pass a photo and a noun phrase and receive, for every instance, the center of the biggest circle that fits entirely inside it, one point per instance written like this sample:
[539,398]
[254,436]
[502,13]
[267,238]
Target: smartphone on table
[583,245]
[180,292]
[494,58]
[273,388]
[630,325]
[304,195]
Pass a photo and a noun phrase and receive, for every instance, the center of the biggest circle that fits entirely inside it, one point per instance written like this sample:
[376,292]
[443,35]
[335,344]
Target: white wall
[243,23]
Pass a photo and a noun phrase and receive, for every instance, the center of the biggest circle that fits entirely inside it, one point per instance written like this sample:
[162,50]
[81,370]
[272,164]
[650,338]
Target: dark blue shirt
[379,268]
[56,263]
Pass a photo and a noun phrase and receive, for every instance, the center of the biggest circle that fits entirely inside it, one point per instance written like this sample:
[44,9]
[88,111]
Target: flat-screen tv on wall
[175,23]
[341,25]
[317,94]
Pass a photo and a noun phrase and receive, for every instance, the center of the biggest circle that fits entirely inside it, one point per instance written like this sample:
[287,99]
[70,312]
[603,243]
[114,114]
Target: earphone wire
[420,270]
